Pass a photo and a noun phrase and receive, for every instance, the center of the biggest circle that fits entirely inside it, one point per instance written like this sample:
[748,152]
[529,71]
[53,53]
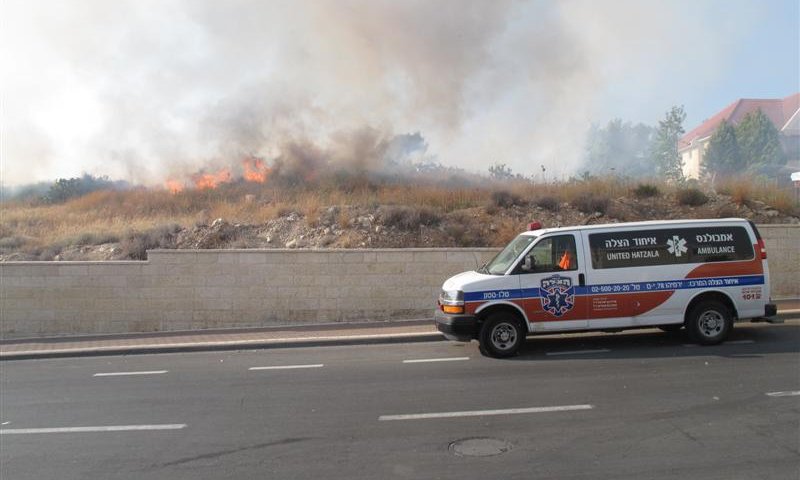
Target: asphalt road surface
[632,405]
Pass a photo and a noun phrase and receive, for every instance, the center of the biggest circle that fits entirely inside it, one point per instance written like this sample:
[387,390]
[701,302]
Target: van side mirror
[527,263]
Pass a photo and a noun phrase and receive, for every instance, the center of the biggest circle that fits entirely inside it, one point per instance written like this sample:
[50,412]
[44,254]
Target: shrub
[692,197]
[409,218]
[589,202]
[646,190]
[90,238]
[504,199]
[782,201]
[136,244]
[548,203]
[11,243]
[461,228]
[65,188]
[741,193]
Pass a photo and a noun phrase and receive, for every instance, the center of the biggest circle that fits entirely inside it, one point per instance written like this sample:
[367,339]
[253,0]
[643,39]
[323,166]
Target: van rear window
[642,248]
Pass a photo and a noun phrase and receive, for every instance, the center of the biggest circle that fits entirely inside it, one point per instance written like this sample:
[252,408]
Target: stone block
[430,257]
[175,257]
[73,270]
[394,257]
[219,280]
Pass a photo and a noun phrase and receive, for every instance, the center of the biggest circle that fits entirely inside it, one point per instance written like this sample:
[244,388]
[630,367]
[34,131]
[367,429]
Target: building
[782,111]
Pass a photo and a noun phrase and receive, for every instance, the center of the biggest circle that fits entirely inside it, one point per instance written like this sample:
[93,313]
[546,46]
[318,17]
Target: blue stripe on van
[612,288]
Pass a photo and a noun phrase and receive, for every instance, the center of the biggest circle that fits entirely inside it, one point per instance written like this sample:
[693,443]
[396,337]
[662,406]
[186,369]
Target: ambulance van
[701,275]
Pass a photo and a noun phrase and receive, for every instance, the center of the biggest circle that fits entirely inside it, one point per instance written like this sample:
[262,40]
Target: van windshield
[503,260]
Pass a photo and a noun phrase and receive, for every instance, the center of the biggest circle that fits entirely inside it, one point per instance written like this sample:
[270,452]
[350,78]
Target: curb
[319,341]
[226,346]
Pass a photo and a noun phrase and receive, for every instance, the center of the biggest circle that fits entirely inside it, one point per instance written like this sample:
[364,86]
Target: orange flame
[211,180]
[174,186]
[255,170]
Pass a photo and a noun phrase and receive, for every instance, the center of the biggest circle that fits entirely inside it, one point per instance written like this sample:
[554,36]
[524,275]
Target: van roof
[623,225]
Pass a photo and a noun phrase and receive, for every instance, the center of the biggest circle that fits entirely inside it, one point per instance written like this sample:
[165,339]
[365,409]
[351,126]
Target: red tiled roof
[778,110]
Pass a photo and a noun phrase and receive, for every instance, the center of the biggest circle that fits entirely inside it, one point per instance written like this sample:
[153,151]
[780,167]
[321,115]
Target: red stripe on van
[602,306]
[725,269]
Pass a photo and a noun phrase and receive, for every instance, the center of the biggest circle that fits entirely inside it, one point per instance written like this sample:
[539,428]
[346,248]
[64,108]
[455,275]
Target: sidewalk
[240,339]
[215,340]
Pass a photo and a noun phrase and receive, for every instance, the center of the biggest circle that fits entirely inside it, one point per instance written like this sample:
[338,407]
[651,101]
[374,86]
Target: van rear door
[554,282]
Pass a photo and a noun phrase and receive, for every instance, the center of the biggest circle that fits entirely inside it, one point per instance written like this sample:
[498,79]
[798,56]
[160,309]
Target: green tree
[619,147]
[664,153]
[65,188]
[723,157]
[760,144]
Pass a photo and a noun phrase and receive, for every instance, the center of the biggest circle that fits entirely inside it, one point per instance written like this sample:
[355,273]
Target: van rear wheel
[502,335]
[709,323]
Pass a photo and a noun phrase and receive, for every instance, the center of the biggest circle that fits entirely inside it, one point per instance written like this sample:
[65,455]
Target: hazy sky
[145,89]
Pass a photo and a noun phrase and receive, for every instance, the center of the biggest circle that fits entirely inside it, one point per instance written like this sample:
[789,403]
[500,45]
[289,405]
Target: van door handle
[581,279]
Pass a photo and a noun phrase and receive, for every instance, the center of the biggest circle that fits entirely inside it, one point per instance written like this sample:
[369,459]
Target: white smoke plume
[146,89]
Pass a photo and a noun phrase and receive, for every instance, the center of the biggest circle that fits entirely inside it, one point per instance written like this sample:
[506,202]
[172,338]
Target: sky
[145,90]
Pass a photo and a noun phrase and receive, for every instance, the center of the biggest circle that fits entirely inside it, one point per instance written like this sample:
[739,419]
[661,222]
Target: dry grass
[116,214]
[743,190]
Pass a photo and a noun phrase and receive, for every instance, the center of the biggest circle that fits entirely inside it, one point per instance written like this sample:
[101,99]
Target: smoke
[147,90]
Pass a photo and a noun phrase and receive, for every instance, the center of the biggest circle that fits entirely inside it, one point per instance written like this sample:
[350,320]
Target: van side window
[553,254]
[641,248]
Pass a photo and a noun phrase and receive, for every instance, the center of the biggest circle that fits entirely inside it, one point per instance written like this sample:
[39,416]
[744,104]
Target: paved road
[631,405]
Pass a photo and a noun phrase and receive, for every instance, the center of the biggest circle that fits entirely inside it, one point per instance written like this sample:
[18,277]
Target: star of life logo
[676,246]
[557,295]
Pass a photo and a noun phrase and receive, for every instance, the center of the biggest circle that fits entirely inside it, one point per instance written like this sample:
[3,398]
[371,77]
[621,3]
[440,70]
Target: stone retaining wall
[204,289]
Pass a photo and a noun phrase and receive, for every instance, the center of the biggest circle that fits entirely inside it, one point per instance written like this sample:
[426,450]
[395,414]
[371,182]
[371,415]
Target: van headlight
[452,301]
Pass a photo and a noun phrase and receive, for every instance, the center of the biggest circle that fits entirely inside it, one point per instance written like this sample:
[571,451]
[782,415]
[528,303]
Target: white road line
[579,352]
[288,367]
[107,428]
[784,394]
[481,413]
[120,374]
[5,423]
[426,360]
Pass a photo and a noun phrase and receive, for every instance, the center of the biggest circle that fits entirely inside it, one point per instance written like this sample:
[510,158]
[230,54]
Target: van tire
[501,336]
[709,323]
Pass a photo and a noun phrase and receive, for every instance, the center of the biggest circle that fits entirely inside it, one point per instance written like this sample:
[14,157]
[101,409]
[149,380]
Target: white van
[699,274]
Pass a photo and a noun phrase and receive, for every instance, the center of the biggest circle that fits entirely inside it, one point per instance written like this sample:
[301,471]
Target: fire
[255,170]
[211,180]
[174,186]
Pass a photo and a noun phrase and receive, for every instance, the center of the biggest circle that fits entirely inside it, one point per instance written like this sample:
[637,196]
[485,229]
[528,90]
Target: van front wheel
[709,323]
[501,336]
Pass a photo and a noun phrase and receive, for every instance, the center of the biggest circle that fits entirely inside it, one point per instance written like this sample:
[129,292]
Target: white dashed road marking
[107,428]
[481,413]
[784,394]
[579,352]
[121,374]
[288,367]
[426,360]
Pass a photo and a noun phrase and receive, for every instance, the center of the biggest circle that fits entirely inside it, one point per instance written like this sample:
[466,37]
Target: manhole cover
[479,447]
